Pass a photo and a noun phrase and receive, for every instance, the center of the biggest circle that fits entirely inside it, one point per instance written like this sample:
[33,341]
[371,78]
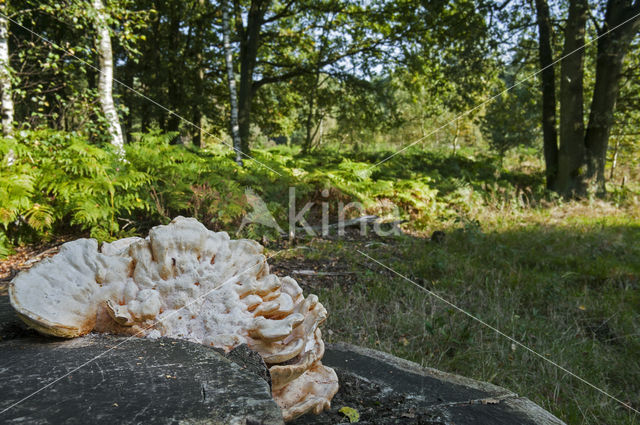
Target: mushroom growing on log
[184,281]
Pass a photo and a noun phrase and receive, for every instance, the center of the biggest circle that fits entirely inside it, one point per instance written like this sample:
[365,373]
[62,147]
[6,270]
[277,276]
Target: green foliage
[185,181]
[513,118]
[16,186]
[366,108]
[60,180]
[61,183]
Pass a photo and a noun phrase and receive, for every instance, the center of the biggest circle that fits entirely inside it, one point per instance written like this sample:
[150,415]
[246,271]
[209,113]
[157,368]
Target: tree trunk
[612,49]
[312,127]
[311,134]
[129,78]
[197,116]
[5,77]
[198,137]
[548,83]
[455,138]
[198,140]
[248,56]
[614,159]
[231,81]
[572,150]
[173,121]
[105,84]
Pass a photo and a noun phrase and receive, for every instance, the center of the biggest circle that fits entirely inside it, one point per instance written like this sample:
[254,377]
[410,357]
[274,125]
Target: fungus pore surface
[185,281]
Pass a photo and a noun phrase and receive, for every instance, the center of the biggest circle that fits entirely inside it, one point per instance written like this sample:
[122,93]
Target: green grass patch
[571,292]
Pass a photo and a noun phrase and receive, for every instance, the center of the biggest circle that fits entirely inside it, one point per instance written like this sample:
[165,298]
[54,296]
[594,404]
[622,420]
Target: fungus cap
[184,281]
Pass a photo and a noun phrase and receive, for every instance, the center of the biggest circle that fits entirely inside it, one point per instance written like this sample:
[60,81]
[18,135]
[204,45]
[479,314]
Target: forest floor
[563,280]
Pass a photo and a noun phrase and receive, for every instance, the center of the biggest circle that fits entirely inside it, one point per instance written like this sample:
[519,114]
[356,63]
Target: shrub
[60,183]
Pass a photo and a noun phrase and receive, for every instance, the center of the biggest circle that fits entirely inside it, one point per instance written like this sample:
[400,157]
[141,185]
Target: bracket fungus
[184,281]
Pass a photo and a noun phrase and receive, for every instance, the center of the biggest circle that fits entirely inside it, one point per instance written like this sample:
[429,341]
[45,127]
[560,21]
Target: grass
[564,281]
[562,278]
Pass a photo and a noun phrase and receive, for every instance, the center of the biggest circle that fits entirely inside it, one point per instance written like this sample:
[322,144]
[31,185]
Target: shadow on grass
[569,292]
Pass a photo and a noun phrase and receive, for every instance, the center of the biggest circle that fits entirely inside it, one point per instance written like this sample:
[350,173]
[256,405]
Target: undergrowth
[560,277]
[564,283]
[60,183]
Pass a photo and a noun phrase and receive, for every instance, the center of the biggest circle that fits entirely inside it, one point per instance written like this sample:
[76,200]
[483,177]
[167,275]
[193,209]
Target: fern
[61,182]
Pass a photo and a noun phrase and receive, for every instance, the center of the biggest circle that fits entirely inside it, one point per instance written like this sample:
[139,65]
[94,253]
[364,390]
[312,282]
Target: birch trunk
[6,101]
[231,79]
[5,78]
[105,84]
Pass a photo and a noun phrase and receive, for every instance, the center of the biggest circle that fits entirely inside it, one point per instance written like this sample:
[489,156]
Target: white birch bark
[5,78]
[6,101]
[105,84]
[233,100]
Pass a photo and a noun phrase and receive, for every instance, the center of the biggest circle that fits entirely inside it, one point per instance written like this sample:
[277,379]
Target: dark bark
[549,131]
[171,121]
[612,49]
[128,73]
[250,41]
[311,126]
[308,140]
[231,84]
[572,150]
[197,132]
[199,77]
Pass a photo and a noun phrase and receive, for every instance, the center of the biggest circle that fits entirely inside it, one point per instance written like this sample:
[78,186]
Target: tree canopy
[340,71]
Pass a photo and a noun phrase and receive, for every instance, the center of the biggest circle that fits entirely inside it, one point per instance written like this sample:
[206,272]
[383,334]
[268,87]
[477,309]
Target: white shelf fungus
[184,281]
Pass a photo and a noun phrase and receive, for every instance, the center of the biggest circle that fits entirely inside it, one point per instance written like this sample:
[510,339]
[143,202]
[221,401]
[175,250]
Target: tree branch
[594,21]
[284,12]
[309,69]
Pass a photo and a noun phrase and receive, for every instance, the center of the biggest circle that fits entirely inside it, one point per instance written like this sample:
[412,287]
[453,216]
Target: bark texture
[548,83]
[105,84]
[231,79]
[5,78]
[142,381]
[571,155]
[250,41]
[579,165]
[198,135]
[612,49]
